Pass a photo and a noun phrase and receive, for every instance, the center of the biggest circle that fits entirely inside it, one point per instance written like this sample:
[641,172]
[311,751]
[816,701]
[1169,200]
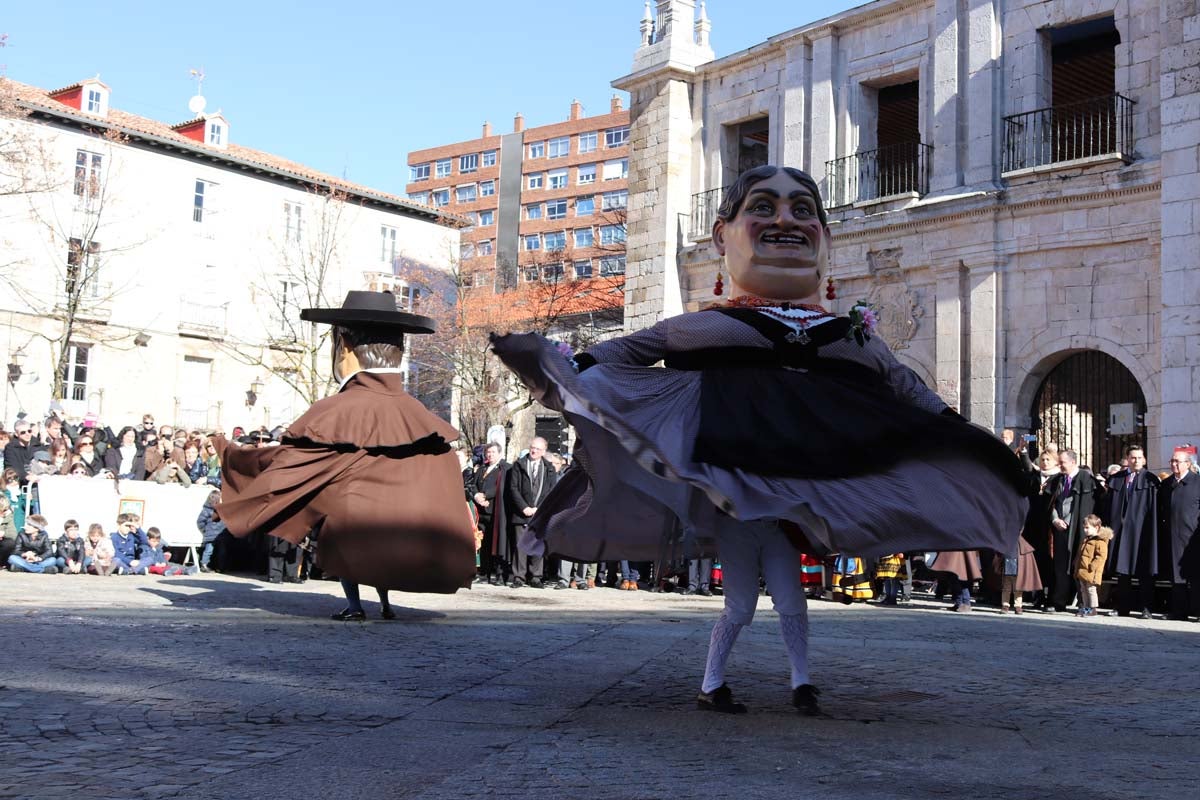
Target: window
[536,180]
[442,168]
[586,174]
[441,197]
[489,158]
[584,237]
[95,102]
[487,217]
[466,250]
[533,241]
[534,211]
[474,217]
[75,371]
[583,268]
[203,192]
[615,170]
[484,248]
[530,274]
[216,134]
[387,244]
[487,188]
[612,234]
[537,150]
[614,201]
[585,206]
[83,267]
[419,197]
[479,280]
[556,209]
[407,298]
[87,174]
[616,137]
[293,222]
[556,240]
[420,172]
[468,163]
[553,272]
[560,147]
[558,179]
[587,142]
[465,194]
[612,265]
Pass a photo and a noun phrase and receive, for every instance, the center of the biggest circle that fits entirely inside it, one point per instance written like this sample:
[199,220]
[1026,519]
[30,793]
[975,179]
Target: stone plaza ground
[212,686]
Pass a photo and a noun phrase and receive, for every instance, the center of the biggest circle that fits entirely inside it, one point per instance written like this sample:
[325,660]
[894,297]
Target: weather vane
[197,103]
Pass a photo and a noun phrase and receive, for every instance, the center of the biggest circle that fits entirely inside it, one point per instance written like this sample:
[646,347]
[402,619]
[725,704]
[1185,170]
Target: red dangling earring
[830,289]
[719,286]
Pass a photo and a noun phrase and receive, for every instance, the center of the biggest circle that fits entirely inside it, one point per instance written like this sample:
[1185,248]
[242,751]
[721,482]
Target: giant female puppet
[369,470]
[774,428]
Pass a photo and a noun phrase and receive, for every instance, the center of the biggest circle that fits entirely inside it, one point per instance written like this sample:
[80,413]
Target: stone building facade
[1014,185]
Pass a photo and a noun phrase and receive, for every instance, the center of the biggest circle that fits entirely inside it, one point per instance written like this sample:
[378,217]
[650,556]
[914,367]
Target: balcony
[704,213]
[202,319]
[94,302]
[1097,129]
[872,175]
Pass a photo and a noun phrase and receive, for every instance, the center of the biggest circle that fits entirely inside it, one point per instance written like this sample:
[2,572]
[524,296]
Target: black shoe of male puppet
[719,699]
[804,698]
[346,615]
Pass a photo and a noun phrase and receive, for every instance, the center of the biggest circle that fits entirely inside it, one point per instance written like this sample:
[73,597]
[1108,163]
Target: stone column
[794,151]
[822,148]
[948,327]
[1179,335]
[984,292]
[944,70]
[983,121]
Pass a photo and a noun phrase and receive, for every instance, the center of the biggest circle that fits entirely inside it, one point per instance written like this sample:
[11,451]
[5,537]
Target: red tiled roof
[541,302]
[40,99]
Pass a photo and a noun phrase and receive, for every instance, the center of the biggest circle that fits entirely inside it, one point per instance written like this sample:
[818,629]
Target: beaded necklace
[779,310]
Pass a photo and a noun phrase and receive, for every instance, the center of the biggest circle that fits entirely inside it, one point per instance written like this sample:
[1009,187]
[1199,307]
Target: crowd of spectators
[1088,537]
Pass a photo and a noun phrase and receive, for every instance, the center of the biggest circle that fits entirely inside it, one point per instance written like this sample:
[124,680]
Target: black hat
[370,310]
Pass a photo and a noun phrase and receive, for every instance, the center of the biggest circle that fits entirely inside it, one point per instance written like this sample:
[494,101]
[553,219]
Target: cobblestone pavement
[211,687]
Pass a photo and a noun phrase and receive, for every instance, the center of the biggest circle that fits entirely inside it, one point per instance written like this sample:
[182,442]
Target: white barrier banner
[169,507]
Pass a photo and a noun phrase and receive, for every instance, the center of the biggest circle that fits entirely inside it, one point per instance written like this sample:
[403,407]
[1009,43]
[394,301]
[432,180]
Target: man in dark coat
[1074,493]
[496,552]
[18,453]
[369,468]
[1179,517]
[1132,513]
[529,481]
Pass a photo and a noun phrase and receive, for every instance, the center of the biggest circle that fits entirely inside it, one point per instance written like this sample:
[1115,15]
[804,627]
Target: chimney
[487,129]
[617,105]
[518,123]
[576,109]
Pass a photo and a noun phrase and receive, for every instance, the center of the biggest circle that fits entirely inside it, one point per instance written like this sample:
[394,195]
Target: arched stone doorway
[1075,404]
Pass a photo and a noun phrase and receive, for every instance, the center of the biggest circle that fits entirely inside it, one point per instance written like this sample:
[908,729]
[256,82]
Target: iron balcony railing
[1101,126]
[883,172]
[704,213]
[202,318]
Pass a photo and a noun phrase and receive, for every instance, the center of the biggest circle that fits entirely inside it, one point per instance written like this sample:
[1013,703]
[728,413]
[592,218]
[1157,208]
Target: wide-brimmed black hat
[370,310]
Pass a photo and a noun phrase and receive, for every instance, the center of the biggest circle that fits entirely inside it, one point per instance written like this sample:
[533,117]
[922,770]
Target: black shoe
[479,579]
[691,590]
[562,585]
[517,583]
[1146,614]
[50,571]
[706,592]
[294,580]
[346,615]
[205,568]
[274,580]
[495,580]
[719,699]
[387,613]
[804,698]
[536,583]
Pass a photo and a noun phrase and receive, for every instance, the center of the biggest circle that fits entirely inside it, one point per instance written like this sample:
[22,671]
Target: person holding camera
[171,472]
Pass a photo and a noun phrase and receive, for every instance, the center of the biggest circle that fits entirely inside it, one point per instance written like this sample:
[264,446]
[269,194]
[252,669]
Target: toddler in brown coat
[1089,566]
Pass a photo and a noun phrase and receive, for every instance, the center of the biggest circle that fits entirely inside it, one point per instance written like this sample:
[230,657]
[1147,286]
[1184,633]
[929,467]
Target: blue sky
[351,87]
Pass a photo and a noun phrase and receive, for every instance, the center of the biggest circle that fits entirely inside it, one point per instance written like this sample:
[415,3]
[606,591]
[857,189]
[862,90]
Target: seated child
[34,553]
[98,551]
[127,542]
[154,559]
[71,549]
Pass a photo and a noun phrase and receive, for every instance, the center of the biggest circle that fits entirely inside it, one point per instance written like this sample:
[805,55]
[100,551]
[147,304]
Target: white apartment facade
[197,256]
[1014,183]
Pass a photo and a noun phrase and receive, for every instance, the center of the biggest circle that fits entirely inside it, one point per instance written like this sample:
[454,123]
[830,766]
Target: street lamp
[256,388]
[14,365]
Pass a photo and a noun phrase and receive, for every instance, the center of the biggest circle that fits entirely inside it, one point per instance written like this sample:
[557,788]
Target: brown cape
[372,469]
